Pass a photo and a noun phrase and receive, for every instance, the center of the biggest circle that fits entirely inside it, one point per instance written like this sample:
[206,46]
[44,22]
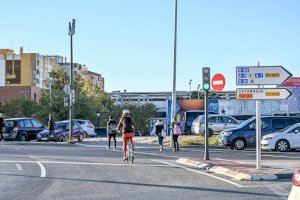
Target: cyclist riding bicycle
[126,126]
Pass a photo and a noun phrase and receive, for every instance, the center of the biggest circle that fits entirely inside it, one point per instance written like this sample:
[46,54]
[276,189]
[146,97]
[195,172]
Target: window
[264,124]
[290,122]
[81,122]
[295,130]
[9,124]
[13,74]
[228,120]
[75,126]
[279,123]
[27,123]
[21,123]
[214,120]
[36,124]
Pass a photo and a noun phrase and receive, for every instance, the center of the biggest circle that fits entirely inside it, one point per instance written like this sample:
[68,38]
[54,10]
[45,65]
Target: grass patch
[213,141]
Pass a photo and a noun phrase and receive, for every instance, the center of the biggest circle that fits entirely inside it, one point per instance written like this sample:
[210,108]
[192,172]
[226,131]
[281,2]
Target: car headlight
[39,135]
[227,133]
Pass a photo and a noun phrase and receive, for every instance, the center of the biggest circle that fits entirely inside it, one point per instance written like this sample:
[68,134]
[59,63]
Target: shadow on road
[147,185]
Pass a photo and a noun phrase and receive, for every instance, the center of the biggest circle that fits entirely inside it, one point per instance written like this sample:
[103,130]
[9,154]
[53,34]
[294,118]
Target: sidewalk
[236,170]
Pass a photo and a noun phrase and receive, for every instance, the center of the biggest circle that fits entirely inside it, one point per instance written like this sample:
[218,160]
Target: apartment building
[83,71]
[23,74]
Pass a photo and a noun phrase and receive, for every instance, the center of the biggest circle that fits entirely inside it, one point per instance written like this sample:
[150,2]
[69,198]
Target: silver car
[216,123]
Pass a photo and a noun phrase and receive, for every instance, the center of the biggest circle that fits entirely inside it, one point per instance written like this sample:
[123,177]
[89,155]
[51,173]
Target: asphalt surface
[89,171]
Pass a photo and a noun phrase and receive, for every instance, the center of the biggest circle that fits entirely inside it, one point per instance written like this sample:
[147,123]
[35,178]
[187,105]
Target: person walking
[176,130]
[111,131]
[1,126]
[126,126]
[51,126]
[160,131]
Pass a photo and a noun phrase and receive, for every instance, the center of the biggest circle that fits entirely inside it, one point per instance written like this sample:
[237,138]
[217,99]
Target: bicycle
[129,152]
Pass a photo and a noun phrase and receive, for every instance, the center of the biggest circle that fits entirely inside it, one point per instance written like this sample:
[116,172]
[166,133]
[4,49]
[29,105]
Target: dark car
[245,134]
[101,131]
[22,129]
[137,133]
[61,132]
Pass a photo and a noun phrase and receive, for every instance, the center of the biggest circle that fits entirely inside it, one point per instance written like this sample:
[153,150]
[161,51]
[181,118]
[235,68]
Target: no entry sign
[218,82]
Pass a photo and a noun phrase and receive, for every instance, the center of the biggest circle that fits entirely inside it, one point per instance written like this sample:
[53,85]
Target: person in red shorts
[126,126]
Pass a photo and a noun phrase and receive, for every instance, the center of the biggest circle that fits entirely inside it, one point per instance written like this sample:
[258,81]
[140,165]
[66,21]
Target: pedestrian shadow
[177,187]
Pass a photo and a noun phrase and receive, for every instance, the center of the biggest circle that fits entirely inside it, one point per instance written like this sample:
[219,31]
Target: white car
[216,123]
[87,127]
[295,192]
[286,139]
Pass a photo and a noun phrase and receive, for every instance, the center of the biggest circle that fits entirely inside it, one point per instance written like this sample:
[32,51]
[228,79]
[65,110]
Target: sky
[130,42]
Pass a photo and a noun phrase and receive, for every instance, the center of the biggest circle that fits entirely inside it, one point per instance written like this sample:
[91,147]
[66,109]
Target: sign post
[257,75]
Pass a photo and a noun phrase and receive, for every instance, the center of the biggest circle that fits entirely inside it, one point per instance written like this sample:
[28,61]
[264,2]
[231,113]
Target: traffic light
[206,78]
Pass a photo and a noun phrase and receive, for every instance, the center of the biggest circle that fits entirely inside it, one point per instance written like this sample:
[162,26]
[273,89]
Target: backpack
[127,125]
[177,130]
[113,127]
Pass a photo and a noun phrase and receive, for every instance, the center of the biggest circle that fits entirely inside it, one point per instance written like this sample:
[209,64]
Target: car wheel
[239,144]
[81,137]
[210,132]
[63,139]
[22,137]
[282,145]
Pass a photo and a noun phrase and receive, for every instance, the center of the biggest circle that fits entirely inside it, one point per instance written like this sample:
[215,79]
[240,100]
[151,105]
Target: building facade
[25,69]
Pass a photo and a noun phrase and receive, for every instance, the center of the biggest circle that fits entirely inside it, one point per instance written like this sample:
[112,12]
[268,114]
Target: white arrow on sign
[262,93]
[262,75]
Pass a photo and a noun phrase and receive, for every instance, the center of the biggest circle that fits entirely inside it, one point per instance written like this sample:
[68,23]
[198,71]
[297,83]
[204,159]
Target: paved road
[87,172]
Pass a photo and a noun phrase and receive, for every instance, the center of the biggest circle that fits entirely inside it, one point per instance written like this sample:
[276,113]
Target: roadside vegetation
[88,100]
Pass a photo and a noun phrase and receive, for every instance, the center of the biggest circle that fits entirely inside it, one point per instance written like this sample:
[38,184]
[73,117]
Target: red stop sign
[218,82]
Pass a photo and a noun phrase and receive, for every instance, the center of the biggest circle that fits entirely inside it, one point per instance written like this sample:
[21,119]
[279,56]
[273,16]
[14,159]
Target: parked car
[87,127]
[295,191]
[22,129]
[245,134]
[216,123]
[284,140]
[61,132]
[101,131]
[137,133]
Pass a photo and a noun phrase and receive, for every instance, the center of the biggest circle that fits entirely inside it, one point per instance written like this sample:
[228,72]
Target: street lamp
[198,88]
[190,83]
[98,117]
[71,33]
[173,107]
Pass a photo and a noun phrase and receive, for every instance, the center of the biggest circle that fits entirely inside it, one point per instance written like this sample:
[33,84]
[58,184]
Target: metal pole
[190,83]
[258,131]
[98,121]
[71,88]
[50,94]
[258,135]
[206,151]
[173,108]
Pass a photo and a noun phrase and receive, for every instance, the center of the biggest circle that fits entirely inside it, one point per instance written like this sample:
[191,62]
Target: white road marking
[19,167]
[200,172]
[43,170]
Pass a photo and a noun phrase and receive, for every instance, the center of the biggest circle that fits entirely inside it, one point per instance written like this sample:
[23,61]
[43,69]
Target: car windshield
[285,129]
[61,126]
[245,123]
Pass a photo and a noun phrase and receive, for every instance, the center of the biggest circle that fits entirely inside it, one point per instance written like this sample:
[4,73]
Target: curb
[233,173]
[37,143]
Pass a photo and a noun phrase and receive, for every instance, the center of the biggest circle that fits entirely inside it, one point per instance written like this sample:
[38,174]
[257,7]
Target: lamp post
[190,83]
[98,117]
[198,88]
[71,33]
[173,107]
